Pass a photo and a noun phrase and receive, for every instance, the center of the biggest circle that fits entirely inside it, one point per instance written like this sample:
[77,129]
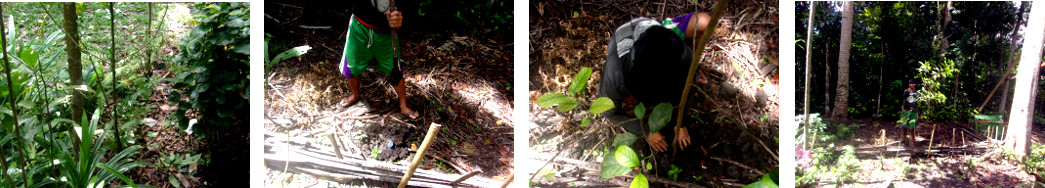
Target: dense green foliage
[897,41]
[485,16]
[37,151]
[217,55]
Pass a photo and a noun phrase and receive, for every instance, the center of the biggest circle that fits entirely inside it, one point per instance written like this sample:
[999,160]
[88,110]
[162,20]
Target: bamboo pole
[509,180]
[698,53]
[433,130]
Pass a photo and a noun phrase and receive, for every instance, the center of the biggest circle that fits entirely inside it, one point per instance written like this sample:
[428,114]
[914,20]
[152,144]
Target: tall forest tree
[809,55]
[1022,113]
[75,69]
[841,109]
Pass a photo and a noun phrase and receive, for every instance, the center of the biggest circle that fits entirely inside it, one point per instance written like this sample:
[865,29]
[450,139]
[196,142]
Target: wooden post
[433,130]
[933,133]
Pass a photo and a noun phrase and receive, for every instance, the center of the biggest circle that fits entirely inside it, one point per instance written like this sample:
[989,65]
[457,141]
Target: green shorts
[363,44]
[908,119]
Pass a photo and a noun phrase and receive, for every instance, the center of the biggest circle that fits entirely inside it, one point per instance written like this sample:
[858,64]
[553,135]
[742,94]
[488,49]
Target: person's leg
[400,89]
[385,53]
[698,23]
[354,60]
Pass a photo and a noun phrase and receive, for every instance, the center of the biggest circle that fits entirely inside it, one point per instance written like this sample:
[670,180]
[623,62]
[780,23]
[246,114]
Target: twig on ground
[757,171]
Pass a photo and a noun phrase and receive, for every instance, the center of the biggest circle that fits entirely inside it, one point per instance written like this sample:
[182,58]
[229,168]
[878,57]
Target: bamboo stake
[433,130]
[698,53]
[511,177]
[933,133]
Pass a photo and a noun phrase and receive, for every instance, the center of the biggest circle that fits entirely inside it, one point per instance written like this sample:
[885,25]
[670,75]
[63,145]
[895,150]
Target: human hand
[656,142]
[683,138]
[395,19]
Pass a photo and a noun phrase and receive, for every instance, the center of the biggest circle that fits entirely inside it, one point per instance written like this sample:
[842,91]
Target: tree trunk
[12,99]
[809,54]
[1022,113]
[112,64]
[1014,37]
[72,49]
[148,41]
[841,109]
[827,80]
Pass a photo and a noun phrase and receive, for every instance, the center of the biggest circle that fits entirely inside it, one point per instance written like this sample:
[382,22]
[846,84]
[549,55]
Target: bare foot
[408,112]
[351,100]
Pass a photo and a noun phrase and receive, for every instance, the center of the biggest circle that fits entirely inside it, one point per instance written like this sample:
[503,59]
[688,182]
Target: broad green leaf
[565,103]
[660,117]
[29,56]
[580,81]
[600,105]
[624,139]
[639,182]
[293,52]
[585,122]
[610,167]
[640,111]
[550,99]
[626,157]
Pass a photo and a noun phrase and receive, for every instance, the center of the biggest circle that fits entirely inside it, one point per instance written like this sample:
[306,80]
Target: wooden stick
[759,172]
[433,130]
[931,138]
[465,177]
[699,51]
[337,148]
[509,180]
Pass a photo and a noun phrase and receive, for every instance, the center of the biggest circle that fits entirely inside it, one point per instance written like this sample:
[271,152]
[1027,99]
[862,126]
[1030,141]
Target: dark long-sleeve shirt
[618,60]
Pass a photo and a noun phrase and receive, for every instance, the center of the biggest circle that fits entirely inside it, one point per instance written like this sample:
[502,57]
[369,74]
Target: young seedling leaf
[639,182]
[580,81]
[551,99]
[567,105]
[600,105]
[610,167]
[585,122]
[626,157]
[640,111]
[660,117]
[624,139]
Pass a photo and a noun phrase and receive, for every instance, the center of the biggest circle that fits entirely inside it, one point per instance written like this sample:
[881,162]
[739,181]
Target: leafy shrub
[1035,162]
[217,54]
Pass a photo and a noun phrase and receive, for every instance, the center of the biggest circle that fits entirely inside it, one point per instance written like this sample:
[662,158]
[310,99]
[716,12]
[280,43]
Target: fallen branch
[757,171]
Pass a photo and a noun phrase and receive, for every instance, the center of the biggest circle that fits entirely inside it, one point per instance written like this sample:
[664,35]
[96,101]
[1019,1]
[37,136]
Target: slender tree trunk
[72,39]
[827,80]
[148,41]
[841,109]
[878,108]
[1022,113]
[112,65]
[1014,37]
[809,55]
[12,98]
